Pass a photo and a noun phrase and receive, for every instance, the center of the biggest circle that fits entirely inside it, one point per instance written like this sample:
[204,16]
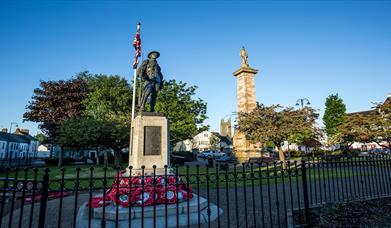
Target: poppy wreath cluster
[144,191]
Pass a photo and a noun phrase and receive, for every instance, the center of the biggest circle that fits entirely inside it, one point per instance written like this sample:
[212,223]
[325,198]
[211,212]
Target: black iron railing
[273,194]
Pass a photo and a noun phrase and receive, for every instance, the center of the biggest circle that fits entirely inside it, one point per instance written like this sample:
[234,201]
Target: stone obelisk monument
[243,149]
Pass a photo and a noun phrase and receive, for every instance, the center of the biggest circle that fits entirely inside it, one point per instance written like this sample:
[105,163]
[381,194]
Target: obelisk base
[244,149]
[149,144]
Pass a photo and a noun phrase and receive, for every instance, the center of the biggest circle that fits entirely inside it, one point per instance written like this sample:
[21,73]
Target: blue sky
[302,49]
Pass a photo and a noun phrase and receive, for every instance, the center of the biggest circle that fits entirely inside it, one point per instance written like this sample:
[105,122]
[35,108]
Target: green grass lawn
[244,176]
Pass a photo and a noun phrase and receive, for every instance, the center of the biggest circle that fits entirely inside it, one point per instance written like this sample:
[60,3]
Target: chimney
[5,130]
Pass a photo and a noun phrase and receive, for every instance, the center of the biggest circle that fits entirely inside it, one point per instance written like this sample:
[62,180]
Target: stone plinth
[243,149]
[186,210]
[149,143]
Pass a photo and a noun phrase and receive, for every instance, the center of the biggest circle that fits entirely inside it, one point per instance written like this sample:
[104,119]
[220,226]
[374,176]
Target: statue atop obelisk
[244,55]
[151,81]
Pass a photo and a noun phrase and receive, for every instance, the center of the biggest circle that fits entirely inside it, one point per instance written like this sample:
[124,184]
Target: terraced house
[17,145]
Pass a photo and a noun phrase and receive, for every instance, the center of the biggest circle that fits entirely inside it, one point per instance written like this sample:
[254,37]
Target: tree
[42,139]
[277,124]
[55,102]
[214,142]
[366,127]
[334,115]
[355,128]
[308,137]
[89,132]
[109,97]
[381,124]
[186,115]
[108,103]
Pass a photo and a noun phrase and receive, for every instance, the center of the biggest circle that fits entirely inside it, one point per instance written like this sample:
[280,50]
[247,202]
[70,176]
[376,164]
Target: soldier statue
[243,54]
[151,81]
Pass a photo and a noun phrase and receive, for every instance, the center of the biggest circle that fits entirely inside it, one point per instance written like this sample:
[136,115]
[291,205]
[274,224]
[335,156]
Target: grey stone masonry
[187,214]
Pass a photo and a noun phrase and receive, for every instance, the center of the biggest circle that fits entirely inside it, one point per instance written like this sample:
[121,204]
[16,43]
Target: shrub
[54,161]
[320,151]
[336,152]
[110,159]
[67,161]
[295,153]
[316,153]
[187,155]
[51,161]
[351,152]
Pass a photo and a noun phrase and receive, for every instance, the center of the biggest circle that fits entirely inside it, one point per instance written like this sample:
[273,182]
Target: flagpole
[134,95]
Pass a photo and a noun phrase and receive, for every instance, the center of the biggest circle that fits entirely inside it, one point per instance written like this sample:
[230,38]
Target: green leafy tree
[214,142]
[109,103]
[109,98]
[89,132]
[277,124]
[42,139]
[55,102]
[355,128]
[366,127]
[381,124]
[334,115]
[186,114]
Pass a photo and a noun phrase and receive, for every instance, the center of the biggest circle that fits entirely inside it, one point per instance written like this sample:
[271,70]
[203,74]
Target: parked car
[226,159]
[210,153]
[386,151]
[379,151]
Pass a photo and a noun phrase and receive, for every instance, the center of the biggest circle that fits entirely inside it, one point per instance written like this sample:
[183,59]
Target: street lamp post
[8,140]
[303,102]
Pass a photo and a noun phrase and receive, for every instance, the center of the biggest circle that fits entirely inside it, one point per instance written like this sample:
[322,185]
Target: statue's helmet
[153,54]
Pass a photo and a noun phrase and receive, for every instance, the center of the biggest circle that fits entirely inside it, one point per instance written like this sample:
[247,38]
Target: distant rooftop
[19,138]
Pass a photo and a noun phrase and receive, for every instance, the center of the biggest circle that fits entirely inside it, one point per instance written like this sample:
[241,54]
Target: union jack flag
[137,46]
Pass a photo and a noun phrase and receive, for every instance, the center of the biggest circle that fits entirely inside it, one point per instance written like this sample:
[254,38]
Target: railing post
[305,193]
[44,197]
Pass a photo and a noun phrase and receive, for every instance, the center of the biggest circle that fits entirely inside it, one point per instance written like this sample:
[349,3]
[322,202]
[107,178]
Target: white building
[43,151]
[202,142]
[17,145]
[3,144]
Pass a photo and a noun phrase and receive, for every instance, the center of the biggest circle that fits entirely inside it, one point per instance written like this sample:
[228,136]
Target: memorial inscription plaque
[152,140]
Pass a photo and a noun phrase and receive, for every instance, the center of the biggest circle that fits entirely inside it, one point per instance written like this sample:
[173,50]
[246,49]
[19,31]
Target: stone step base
[185,216]
[149,211]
